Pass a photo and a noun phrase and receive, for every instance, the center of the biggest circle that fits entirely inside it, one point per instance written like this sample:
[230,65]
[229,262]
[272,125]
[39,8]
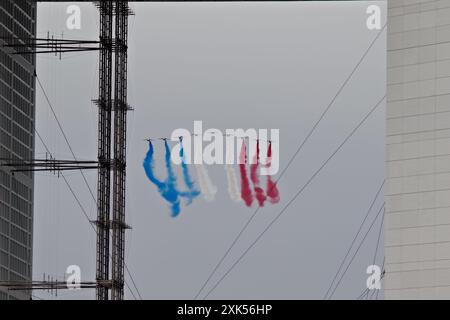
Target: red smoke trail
[272,190]
[259,192]
[246,192]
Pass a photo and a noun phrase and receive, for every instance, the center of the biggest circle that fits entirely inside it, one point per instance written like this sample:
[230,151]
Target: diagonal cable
[64,136]
[356,252]
[81,171]
[299,192]
[341,88]
[377,246]
[354,239]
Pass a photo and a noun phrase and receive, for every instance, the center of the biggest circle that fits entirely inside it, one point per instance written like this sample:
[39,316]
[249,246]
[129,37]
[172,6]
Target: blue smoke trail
[148,167]
[192,191]
[167,189]
[172,192]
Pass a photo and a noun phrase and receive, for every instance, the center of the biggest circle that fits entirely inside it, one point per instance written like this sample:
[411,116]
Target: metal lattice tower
[120,135]
[112,111]
[104,146]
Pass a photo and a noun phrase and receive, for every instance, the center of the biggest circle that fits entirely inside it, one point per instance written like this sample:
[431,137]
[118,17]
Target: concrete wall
[417,241]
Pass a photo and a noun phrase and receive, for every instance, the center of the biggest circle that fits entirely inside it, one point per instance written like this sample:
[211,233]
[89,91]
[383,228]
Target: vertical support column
[104,147]
[120,134]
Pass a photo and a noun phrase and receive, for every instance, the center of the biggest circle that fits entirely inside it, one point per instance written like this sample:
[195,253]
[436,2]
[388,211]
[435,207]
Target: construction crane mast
[105,109]
[120,137]
[112,112]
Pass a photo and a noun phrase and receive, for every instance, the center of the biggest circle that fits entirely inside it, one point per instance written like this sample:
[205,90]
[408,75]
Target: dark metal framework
[104,147]
[49,45]
[120,135]
[49,164]
[48,285]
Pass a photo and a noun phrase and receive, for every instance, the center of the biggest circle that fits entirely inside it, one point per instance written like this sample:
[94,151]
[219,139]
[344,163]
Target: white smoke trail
[233,186]
[208,189]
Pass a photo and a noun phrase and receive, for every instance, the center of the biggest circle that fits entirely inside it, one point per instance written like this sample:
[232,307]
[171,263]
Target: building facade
[417,229]
[17,114]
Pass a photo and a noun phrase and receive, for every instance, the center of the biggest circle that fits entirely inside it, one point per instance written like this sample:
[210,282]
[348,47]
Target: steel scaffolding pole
[120,133]
[104,147]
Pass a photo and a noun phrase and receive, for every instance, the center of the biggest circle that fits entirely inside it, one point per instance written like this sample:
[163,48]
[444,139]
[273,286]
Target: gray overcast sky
[235,65]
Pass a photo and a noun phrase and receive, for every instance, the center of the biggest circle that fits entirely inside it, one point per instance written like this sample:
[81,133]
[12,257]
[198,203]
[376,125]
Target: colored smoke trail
[233,187]
[167,189]
[192,192]
[208,189]
[171,192]
[259,192]
[272,191]
[246,192]
[149,167]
